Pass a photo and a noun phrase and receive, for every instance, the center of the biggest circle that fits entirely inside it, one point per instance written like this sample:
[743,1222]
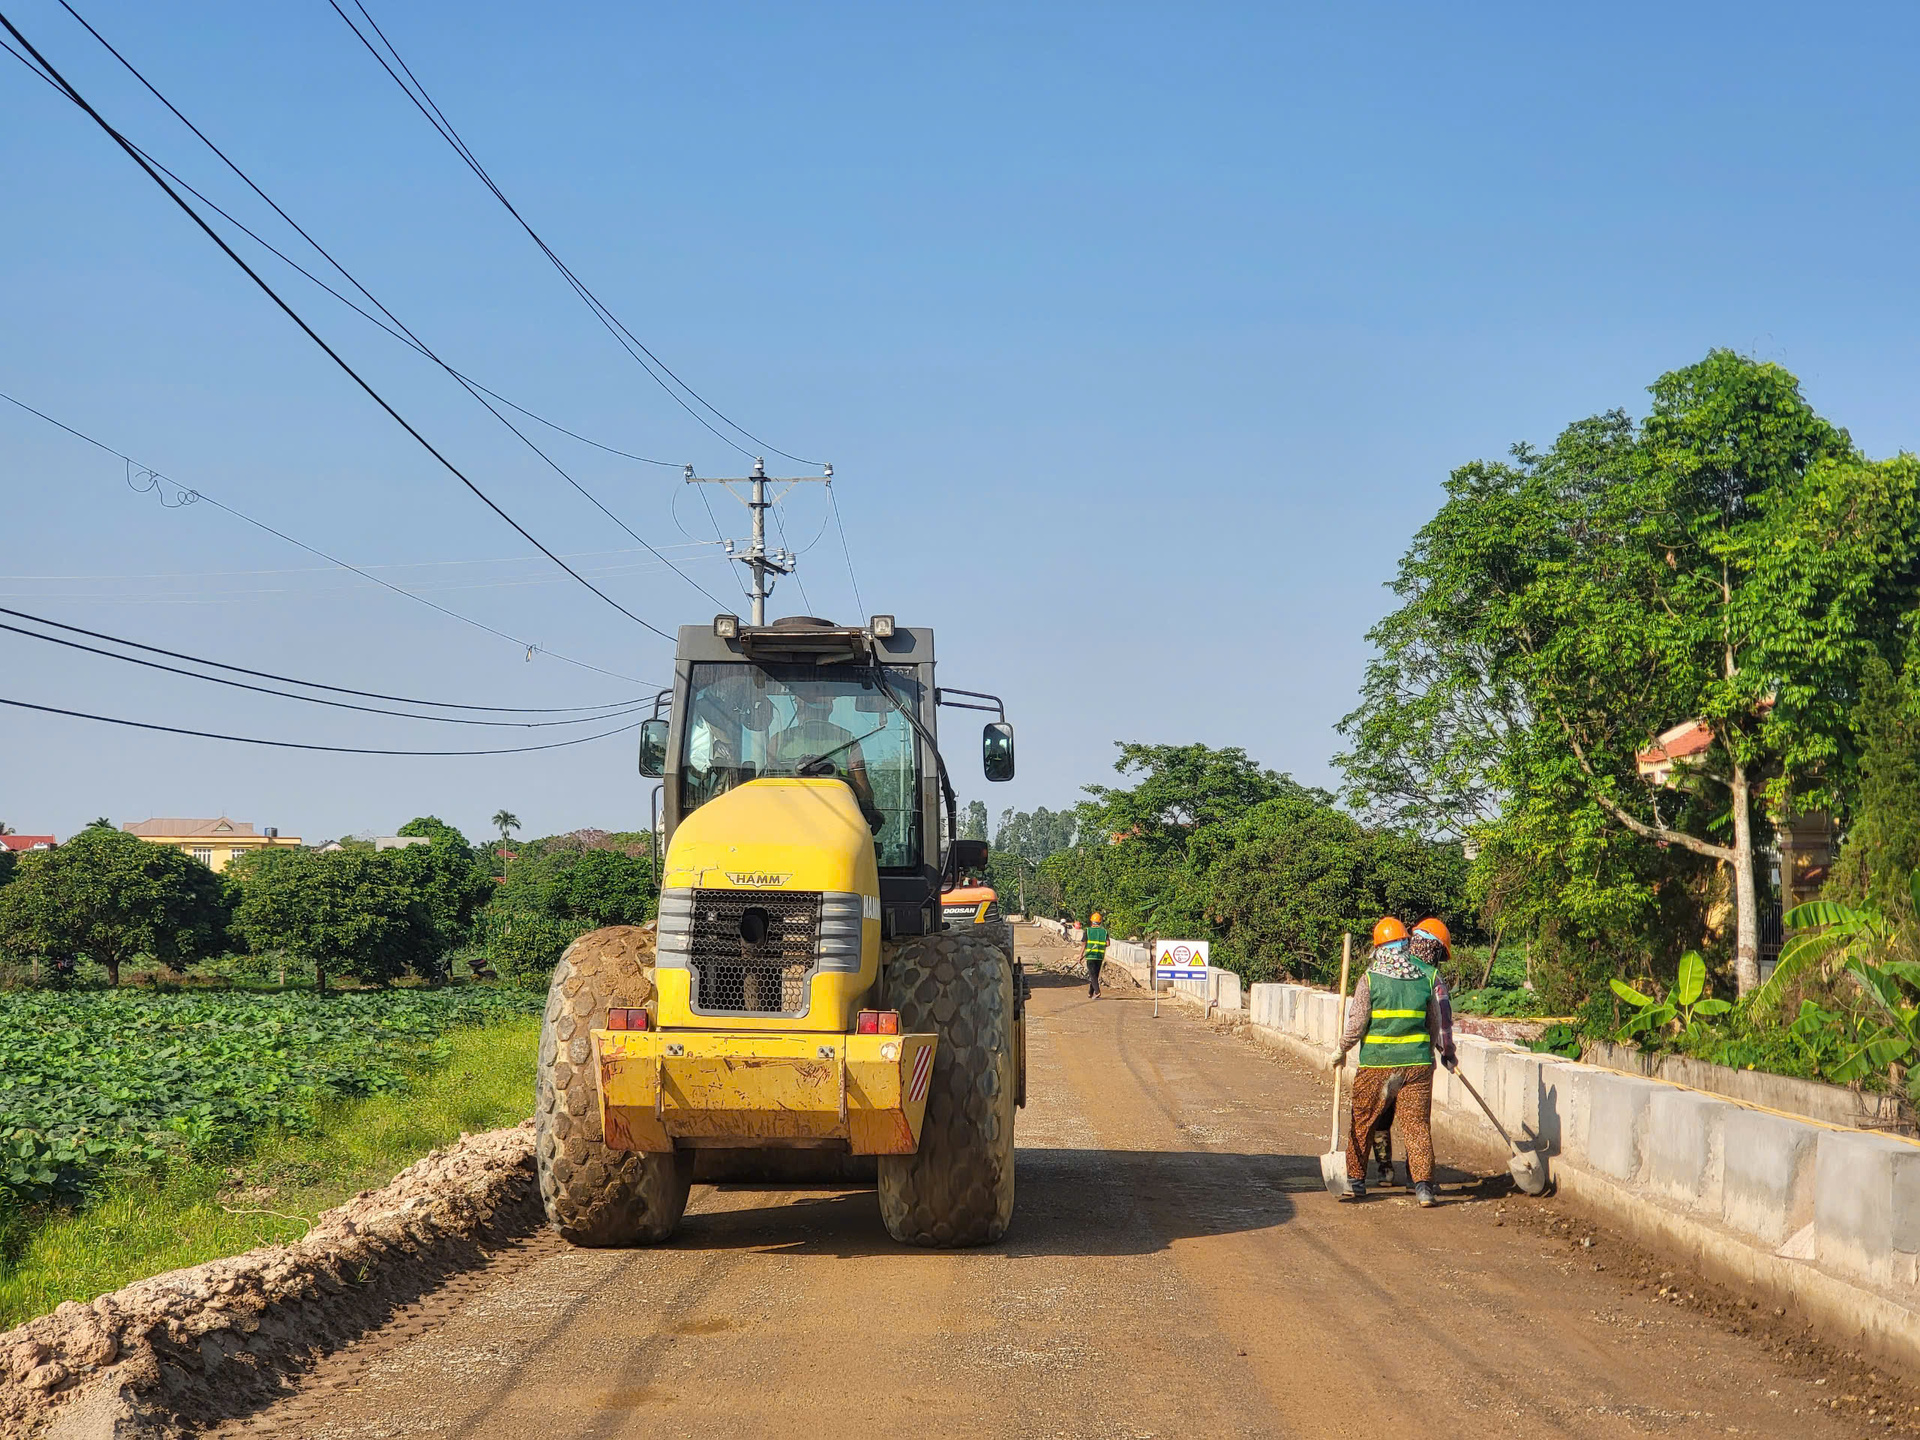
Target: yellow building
[214,843]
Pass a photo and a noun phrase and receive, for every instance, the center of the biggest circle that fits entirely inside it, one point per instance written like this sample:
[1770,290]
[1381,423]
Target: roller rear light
[877,1022]
[629,1020]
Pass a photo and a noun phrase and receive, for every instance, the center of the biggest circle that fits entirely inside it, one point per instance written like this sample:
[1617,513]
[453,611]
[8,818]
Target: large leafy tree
[110,896]
[350,912]
[448,873]
[1208,843]
[557,891]
[1731,560]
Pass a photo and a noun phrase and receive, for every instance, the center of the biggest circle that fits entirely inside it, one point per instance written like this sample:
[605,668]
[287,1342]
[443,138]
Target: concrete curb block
[1824,1220]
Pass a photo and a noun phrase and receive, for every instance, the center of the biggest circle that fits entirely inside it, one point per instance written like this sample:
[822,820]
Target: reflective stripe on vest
[1397,1020]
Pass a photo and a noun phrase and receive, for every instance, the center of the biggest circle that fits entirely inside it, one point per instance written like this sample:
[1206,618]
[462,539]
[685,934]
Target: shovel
[1333,1164]
[1528,1167]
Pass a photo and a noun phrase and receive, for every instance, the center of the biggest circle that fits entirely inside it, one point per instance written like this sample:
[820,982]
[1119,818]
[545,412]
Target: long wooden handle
[1492,1119]
[1340,1020]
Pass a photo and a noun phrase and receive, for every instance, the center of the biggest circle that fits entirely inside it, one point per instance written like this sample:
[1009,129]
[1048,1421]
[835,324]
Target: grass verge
[202,1211]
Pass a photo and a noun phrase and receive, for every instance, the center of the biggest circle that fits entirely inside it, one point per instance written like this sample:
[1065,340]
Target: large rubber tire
[1001,930]
[957,1189]
[595,1195]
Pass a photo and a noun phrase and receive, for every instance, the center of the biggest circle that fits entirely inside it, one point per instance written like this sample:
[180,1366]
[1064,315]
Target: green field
[104,1085]
[195,1210]
[143,1130]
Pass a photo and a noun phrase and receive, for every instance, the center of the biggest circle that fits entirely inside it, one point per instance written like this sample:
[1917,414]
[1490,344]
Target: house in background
[379,842]
[214,843]
[1675,749]
[1804,847]
[27,842]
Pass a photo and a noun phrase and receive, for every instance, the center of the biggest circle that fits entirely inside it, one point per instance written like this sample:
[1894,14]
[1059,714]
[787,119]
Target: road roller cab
[804,991]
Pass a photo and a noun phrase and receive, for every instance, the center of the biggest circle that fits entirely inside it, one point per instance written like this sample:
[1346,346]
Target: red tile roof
[1680,743]
[27,842]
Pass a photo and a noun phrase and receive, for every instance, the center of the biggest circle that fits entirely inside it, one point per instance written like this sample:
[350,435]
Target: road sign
[1180,959]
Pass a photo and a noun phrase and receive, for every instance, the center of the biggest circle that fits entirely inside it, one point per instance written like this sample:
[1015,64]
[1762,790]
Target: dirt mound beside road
[215,1339]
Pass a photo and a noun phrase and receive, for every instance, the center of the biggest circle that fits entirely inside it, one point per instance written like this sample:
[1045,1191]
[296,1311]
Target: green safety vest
[1096,942]
[1397,1028]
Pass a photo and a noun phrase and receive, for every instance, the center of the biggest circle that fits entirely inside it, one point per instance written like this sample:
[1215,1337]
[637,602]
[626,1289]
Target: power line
[294,680]
[292,695]
[197,496]
[787,545]
[651,363]
[133,153]
[398,328]
[858,607]
[395,328]
[299,745]
[328,569]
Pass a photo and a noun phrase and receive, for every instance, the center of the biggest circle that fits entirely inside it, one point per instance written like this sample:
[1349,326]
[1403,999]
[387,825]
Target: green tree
[974,826]
[1034,835]
[1731,560]
[351,912]
[1211,845]
[559,889]
[109,896]
[449,873]
[432,827]
[595,888]
[1882,846]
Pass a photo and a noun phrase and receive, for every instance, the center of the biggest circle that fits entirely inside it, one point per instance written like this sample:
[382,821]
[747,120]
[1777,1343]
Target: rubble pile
[214,1338]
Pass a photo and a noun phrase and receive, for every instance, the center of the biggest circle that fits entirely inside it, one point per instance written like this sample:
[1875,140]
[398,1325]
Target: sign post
[1177,960]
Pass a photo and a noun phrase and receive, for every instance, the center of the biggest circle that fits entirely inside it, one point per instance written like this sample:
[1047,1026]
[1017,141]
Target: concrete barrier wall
[1826,1217]
[1836,1104]
[1219,990]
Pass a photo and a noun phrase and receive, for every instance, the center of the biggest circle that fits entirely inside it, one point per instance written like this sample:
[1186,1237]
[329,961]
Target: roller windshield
[746,722]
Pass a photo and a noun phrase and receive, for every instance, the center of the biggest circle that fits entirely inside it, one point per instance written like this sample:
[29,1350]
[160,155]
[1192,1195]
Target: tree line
[375,916]
[1209,844]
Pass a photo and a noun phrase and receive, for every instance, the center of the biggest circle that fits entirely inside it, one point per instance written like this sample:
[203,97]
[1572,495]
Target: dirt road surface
[1174,1269]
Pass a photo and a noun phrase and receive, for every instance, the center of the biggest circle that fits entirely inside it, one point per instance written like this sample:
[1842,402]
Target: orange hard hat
[1387,929]
[1436,927]
[1096,917]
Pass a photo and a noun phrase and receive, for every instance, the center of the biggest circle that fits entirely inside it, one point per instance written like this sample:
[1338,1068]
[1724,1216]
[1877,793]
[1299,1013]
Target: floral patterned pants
[1410,1087]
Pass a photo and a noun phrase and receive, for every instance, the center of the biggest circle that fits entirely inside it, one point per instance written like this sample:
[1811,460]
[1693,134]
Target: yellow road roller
[801,1001]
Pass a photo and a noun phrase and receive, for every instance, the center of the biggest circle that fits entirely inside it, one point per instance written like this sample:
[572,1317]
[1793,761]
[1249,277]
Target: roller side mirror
[996,750]
[653,748]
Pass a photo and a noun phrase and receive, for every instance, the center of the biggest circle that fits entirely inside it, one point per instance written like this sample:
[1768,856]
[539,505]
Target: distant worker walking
[1400,1015]
[1093,950]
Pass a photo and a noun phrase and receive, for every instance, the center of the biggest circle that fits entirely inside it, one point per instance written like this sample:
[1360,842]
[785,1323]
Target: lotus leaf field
[95,1085]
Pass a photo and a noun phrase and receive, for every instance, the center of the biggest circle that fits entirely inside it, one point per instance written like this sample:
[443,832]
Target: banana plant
[1836,937]
[1893,1036]
[1687,1003]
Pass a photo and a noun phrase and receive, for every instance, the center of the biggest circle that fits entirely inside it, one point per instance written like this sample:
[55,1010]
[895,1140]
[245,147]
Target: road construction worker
[1430,933]
[1093,950]
[1400,1017]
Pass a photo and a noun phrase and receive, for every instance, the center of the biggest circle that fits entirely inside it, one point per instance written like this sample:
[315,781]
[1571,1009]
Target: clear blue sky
[1141,339]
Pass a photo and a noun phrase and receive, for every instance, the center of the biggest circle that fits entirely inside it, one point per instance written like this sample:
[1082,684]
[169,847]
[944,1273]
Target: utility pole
[761,561]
